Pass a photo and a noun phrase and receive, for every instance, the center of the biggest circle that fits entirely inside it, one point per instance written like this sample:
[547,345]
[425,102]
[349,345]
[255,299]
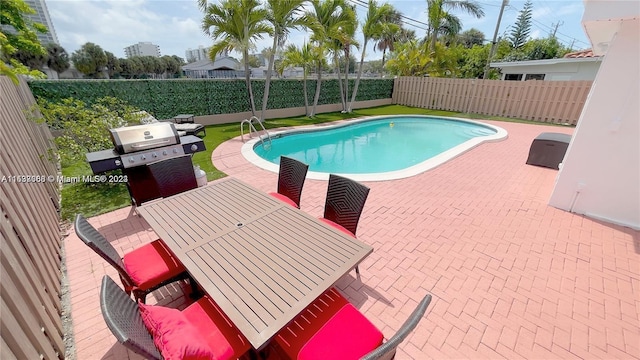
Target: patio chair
[200,331]
[174,175]
[344,205]
[290,181]
[182,129]
[332,328]
[142,270]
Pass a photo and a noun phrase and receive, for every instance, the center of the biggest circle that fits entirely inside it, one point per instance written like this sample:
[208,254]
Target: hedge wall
[166,98]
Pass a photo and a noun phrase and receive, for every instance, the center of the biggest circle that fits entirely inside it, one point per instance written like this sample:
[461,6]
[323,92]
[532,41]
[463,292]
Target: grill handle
[150,144]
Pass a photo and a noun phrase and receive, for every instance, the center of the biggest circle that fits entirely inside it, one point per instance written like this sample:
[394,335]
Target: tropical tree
[303,57]
[283,15]
[392,32]
[373,28]
[58,60]
[113,64]
[33,60]
[90,60]
[13,14]
[172,65]
[330,18]
[471,37]
[409,59]
[442,22]
[520,32]
[235,25]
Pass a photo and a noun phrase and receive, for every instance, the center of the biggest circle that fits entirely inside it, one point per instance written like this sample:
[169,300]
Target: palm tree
[377,18]
[299,57]
[330,19]
[283,15]
[236,25]
[441,22]
[390,34]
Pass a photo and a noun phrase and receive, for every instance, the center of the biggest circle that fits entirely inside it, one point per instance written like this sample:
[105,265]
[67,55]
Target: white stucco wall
[583,70]
[600,176]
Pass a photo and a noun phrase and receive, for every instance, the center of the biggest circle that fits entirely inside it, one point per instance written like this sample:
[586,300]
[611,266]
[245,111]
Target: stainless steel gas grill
[137,146]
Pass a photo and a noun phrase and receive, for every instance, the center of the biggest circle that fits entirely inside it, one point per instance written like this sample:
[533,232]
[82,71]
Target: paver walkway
[511,276]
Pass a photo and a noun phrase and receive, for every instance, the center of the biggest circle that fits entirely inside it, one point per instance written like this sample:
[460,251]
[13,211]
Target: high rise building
[201,53]
[41,16]
[142,49]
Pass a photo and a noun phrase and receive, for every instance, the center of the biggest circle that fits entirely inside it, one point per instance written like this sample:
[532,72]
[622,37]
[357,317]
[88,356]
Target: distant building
[223,67]
[142,49]
[193,55]
[41,16]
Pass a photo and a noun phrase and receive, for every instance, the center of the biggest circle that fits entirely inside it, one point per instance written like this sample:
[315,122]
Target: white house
[581,65]
[600,174]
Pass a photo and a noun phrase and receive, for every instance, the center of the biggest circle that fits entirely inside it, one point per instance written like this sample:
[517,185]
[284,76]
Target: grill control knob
[143,157]
[164,152]
[132,160]
[154,155]
[118,163]
[175,151]
[194,147]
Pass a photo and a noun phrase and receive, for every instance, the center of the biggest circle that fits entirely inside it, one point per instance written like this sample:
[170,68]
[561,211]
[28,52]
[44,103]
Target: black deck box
[548,150]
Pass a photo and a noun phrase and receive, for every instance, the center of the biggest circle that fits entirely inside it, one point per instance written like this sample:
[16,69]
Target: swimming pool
[374,148]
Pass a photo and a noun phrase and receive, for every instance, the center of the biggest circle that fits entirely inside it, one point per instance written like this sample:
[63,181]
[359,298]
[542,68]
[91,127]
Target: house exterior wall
[559,71]
[600,175]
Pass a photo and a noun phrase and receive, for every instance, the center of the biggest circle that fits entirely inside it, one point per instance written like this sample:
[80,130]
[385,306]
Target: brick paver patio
[511,276]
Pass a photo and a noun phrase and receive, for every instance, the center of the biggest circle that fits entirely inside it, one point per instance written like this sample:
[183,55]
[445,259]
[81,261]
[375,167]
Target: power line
[366,6]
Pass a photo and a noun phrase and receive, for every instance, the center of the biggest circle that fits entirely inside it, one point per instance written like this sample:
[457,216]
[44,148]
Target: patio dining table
[262,261]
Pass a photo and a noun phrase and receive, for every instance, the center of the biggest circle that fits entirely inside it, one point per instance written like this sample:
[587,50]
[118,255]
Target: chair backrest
[173,175]
[123,319]
[388,349]
[98,243]
[291,178]
[345,201]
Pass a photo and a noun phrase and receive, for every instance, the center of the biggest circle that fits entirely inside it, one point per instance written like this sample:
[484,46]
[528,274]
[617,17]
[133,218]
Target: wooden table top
[261,260]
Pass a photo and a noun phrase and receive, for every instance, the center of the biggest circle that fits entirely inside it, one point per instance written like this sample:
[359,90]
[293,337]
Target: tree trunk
[346,81]
[247,79]
[304,90]
[384,53]
[355,88]
[267,82]
[343,94]
[317,96]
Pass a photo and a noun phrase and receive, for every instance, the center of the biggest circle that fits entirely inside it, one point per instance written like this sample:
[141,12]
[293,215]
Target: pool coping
[431,163]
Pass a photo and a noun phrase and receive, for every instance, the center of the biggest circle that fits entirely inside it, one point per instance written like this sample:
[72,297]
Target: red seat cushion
[177,338]
[338,226]
[284,199]
[347,335]
[151,264]
[220,332]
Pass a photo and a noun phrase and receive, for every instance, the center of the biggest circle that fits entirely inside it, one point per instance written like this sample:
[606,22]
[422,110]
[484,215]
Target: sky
[175,25]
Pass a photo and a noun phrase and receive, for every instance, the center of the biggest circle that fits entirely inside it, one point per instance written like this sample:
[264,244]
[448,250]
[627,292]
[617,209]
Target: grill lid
[130,139]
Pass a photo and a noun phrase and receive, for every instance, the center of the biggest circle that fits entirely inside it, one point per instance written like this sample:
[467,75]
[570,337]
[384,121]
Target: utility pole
[495,37]
[559,23]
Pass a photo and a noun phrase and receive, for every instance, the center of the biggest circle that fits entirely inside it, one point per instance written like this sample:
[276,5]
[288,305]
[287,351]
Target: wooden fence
[31,324]
[557,102]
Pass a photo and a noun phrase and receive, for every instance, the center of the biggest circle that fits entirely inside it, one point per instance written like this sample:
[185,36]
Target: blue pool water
[373,146]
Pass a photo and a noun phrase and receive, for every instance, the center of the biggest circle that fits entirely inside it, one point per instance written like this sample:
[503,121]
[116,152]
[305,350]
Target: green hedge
[166,98]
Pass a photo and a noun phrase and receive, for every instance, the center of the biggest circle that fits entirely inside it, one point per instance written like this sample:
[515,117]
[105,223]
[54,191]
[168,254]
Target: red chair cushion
[284,199]
[338,226]
[219,331]
[347,335]
[176,337]
[151,264]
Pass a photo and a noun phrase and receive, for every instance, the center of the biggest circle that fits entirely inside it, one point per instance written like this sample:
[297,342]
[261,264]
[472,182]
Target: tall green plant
[236,25]
[90,60]
[520,32]
[443,22]
[283,15]
[378,17]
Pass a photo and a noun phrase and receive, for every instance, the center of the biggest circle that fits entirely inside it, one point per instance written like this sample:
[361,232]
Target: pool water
[381,145]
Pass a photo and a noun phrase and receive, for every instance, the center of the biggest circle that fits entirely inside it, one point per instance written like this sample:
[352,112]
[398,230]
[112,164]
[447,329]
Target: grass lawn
[92,199]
